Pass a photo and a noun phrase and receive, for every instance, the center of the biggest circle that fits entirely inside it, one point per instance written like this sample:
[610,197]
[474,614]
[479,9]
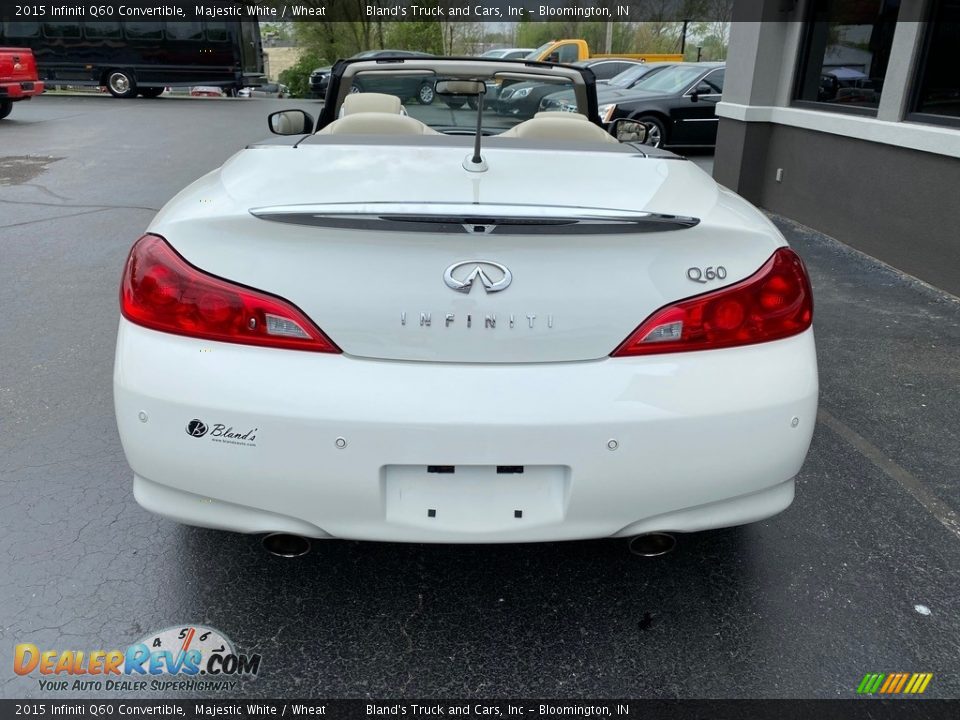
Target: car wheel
[455,104]
[472,103]
[656,130]
[120,83]
[150,92]
[426,94]
[5,107]
[355,89]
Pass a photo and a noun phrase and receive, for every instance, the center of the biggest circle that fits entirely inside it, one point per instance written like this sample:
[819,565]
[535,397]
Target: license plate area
[475,498]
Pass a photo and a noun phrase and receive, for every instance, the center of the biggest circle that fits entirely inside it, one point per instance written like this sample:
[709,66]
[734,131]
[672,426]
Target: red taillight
[773,303]
[162,291]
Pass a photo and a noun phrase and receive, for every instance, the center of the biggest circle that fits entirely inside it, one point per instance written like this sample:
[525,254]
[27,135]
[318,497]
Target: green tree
[352,32]
[658,37]
[297,77]
[413,35]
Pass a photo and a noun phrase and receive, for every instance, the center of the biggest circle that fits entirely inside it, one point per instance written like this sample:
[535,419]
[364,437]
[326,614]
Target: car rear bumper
[20,90]
[335,446]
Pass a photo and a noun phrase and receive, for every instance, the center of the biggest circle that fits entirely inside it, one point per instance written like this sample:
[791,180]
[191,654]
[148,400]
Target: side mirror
[461,87]
[701,89]
[290,122]
[629,131]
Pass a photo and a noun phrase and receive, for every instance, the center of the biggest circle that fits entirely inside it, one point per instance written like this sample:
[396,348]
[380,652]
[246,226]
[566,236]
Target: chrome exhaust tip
[286,545]
[652,544]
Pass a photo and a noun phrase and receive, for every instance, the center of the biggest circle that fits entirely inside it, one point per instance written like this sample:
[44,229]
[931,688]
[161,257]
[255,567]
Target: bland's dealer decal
[172,659]
[222,433]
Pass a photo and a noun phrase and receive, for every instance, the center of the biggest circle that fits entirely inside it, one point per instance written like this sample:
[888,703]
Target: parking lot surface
[861,574]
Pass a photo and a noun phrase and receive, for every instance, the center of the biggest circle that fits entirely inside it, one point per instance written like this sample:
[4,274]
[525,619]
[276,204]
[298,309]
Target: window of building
[937,90]
[843,60]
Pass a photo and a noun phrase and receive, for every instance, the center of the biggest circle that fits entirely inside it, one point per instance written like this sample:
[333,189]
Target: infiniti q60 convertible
[419,323]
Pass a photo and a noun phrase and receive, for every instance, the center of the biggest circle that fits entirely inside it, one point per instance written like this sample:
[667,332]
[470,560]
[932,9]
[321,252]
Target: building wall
[883,185]
[281,58]
[899,205]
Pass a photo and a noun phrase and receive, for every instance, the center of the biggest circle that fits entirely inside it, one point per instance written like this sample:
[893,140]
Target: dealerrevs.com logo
[182,658]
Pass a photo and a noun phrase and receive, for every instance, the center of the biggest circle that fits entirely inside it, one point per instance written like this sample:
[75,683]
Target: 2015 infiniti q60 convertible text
[491,330]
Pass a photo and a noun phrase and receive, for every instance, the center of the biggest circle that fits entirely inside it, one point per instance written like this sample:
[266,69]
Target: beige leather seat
[559,126]
[375,114]
[377,123]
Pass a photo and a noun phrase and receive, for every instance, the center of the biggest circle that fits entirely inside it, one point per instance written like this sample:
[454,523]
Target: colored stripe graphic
[903,680]
[910,685]
[918,683]
[870,683]
[894,683]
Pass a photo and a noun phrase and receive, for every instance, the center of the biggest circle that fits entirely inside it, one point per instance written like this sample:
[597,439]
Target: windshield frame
[582,80]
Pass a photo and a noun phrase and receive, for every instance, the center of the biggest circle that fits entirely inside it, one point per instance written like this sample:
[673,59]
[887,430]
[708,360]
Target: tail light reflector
[773,303]
[162,291]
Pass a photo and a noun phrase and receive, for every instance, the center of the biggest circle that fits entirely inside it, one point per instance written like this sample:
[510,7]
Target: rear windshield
[506,102]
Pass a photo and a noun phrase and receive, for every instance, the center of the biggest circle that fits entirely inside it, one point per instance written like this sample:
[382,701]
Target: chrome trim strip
[486,218]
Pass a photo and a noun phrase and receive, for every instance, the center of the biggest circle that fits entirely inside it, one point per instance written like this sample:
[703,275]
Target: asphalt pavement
[861,574]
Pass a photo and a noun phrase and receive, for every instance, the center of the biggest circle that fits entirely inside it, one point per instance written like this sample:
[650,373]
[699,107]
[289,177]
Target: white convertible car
[435,324]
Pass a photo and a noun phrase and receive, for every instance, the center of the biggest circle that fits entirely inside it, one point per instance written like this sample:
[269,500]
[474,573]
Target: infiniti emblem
[493,276]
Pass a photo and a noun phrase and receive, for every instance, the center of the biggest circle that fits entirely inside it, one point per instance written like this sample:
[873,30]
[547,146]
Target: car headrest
[555,114]
[377,123]
[371,102]
[559,126]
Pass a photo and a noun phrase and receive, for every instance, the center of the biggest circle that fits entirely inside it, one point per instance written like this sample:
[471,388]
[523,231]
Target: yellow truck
[569,51]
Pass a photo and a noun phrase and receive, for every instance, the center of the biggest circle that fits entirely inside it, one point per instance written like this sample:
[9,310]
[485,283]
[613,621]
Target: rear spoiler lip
[485,218]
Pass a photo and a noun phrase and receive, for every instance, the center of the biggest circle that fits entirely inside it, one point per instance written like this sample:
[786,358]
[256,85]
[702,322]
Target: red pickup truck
[18,78]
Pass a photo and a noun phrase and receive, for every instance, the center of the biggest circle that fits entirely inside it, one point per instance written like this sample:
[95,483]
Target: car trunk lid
[492,269]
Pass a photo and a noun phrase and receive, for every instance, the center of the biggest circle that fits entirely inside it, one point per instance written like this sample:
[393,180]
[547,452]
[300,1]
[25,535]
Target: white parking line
[934,505]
